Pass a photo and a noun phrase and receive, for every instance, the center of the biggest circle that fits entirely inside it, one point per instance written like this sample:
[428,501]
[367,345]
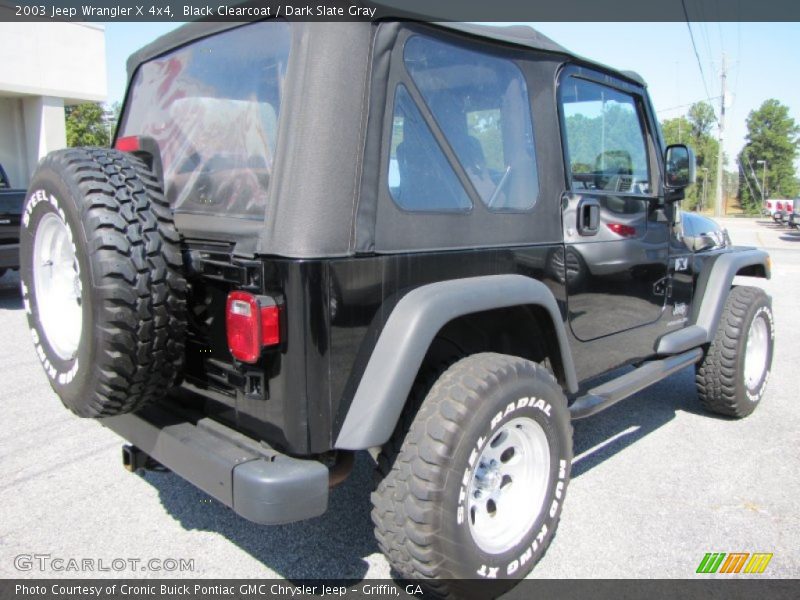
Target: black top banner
[424,10]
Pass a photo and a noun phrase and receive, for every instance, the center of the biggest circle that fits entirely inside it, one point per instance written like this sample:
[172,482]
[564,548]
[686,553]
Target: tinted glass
[420,177]
[481,104]
[213,109]
[606,145]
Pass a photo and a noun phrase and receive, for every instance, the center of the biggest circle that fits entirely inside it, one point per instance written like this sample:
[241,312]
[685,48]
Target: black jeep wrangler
[428,241]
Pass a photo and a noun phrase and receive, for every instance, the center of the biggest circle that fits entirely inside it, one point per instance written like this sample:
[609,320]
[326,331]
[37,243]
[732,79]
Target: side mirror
[680,167]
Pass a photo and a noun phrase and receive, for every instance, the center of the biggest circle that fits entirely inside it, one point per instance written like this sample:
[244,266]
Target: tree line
[765,167]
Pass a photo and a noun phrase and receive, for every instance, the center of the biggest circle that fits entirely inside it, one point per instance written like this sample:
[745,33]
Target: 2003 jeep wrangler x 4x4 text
[425,240]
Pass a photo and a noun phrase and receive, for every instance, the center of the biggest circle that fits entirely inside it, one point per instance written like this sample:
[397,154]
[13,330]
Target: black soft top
[335,149]
[518,35]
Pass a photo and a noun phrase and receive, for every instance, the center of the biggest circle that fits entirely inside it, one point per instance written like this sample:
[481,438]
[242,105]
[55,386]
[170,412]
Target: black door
[616,254]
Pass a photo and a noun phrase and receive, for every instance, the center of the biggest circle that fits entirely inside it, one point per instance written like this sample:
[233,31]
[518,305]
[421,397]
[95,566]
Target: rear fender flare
[408,333]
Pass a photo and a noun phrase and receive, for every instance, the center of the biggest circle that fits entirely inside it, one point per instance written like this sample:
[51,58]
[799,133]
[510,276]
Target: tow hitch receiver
[134,459]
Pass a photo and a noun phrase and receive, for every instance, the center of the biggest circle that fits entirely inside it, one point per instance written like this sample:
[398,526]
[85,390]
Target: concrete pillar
[45,127]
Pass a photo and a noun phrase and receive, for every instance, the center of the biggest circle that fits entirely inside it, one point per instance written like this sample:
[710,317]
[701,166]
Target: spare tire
[102,283]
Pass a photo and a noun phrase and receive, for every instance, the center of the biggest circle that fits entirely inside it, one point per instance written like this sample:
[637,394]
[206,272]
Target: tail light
[252,323]
[622,229]
[127,144]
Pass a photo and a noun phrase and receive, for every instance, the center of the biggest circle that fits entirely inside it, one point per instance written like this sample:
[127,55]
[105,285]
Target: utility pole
[721,138]
[703,195]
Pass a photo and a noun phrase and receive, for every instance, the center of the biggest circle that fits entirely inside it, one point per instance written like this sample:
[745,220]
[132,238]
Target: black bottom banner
[259,589]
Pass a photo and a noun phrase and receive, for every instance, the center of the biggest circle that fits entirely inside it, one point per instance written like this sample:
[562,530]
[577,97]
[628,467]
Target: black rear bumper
[256,481]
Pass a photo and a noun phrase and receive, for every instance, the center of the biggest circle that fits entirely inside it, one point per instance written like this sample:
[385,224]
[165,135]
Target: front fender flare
[407,335]
[715,282]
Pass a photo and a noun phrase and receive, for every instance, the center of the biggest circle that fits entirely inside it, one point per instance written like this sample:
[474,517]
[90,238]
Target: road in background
[656,482]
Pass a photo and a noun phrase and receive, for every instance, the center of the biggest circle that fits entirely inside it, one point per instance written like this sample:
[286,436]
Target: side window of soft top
[481,110]
[420,177]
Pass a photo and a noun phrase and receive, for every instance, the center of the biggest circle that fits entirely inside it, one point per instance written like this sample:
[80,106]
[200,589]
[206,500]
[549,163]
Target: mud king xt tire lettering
[477,488]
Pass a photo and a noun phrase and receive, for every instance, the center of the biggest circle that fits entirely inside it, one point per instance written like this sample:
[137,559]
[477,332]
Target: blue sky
[763,61]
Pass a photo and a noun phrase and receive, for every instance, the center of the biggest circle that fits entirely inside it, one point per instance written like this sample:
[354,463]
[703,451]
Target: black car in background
[10,211]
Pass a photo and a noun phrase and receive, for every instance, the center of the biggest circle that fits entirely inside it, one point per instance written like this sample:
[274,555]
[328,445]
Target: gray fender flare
[719,281]
[710,297]
[407,335]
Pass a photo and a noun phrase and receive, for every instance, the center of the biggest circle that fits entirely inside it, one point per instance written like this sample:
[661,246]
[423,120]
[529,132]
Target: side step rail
[611,392]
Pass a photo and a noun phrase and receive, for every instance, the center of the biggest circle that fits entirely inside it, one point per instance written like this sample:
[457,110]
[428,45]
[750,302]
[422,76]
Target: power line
[703,26]
[746,180]
[688,105]
[738,50]
[694,45]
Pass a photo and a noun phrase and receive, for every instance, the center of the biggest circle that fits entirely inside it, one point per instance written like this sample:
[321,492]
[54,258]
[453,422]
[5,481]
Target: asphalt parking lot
[656,482]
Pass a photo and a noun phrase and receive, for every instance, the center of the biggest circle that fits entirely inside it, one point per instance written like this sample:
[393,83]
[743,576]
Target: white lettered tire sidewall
[68,377]
[760,310]
[723,374]
[130,343]
[538,399]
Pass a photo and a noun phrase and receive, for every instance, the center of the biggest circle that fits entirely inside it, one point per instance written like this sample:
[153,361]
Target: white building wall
[65,60]
[44,67]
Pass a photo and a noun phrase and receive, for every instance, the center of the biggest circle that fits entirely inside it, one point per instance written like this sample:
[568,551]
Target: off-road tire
[418,506]
[129,269]
[720,378]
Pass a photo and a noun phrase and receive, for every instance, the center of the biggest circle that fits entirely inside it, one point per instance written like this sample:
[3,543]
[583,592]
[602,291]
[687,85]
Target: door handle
[588,216]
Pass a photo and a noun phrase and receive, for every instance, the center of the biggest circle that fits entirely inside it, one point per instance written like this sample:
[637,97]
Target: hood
[701,234]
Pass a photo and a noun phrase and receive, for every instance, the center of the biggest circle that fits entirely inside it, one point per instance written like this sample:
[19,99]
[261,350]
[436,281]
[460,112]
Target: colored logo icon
[734,562]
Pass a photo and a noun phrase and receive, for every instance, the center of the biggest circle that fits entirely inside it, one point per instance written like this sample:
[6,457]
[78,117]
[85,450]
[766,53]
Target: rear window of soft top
[213,107]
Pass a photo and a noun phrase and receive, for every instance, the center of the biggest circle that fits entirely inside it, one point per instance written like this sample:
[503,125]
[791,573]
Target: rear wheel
[101,281]
[476,489]
[733,375]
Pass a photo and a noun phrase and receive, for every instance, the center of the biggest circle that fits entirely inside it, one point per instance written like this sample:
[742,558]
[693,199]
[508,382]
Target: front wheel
[477,487]
[733,375]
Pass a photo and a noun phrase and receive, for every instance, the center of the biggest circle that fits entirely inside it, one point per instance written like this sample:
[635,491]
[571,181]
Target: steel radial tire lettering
[421,509]
[127,274]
